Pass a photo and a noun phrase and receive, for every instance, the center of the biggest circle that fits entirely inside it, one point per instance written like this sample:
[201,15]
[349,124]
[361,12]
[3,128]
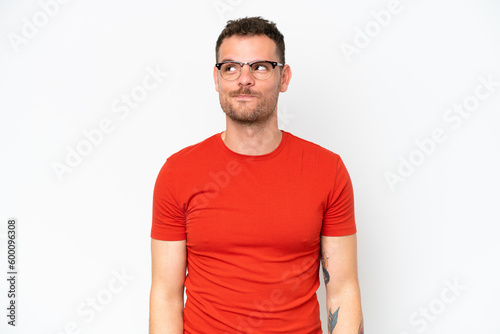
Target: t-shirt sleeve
[169,220]
[338,219]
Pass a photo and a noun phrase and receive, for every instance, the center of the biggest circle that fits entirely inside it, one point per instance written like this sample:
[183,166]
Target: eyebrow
[231,59]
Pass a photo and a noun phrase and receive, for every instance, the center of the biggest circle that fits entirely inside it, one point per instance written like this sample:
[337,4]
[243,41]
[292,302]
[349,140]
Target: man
[251,210]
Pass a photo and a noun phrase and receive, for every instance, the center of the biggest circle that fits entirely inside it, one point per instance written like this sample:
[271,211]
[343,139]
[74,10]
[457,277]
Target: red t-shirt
[252,226]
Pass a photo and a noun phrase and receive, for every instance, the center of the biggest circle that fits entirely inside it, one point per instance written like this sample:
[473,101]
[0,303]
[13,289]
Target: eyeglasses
[260,69]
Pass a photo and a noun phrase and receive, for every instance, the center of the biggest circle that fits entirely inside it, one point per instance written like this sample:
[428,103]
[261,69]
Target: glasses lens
[262,70]
[230,71]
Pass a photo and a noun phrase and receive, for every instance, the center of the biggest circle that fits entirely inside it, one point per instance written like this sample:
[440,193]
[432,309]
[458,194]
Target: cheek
[224,87]
[276,87]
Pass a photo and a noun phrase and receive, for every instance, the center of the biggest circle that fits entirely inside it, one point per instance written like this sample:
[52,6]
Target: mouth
[244,97]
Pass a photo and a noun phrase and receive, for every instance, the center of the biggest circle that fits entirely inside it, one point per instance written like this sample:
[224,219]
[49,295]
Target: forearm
[343,300]
[165,314]
[344,309]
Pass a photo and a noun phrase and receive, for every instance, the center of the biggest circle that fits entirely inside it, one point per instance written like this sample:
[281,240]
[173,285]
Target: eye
[261,67]
[230,68]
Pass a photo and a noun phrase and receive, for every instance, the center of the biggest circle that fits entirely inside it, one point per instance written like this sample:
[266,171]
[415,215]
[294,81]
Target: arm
[343,300]
[166,302]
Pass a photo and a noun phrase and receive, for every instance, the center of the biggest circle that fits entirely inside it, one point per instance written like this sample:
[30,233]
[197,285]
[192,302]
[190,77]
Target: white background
[438,223]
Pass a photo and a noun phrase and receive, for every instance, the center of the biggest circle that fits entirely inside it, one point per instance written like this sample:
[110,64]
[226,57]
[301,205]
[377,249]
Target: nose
[246,78]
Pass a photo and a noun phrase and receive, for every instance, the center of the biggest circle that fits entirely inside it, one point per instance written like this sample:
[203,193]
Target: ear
[216,78]
[286,75]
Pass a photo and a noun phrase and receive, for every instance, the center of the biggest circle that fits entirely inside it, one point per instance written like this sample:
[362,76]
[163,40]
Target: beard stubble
[241,112]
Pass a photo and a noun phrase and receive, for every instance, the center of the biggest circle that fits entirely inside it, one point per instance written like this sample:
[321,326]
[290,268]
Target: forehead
[248,48]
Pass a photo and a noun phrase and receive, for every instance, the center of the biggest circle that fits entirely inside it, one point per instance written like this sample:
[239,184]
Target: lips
[244,96]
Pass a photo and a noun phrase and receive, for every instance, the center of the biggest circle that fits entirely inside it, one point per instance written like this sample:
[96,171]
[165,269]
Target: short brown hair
[251,26]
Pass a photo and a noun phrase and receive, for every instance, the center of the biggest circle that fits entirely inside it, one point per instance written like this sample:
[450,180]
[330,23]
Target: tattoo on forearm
[324,263]
[361,329]
[332,320]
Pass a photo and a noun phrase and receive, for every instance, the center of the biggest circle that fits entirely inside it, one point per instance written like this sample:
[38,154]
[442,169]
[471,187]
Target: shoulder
[190,155]
[311,150]
[193,151]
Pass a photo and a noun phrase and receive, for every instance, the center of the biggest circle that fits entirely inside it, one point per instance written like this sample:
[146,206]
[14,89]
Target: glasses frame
[273,64]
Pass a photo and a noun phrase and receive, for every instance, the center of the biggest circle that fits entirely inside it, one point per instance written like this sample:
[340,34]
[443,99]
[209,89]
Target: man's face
[247,100]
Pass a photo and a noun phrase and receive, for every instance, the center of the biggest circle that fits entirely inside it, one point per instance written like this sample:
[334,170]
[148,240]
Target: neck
[251,139]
